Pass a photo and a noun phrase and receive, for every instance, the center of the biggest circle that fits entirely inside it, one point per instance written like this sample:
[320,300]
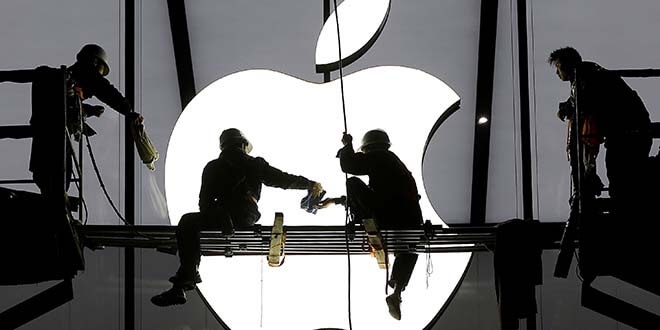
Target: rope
[341,71]
[513,102]
[107,196]
[261,291]
[343,106]
[77,180]
[536,135]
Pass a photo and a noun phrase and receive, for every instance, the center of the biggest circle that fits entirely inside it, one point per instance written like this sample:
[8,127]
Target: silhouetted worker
[615,115]
[391,199]
[231,188]
[84,79]
[591,184]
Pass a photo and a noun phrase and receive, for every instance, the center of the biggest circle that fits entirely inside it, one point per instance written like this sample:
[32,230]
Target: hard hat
[375,137]
[232,136]
[92,53]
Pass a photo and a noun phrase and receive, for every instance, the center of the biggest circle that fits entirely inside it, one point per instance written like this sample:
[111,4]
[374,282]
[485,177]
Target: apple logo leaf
[360,24]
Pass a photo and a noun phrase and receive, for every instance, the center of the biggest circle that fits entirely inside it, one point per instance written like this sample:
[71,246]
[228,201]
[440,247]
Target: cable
[343,105]
[513,102]
[78,171]
[387,265]
[348,254]
[105,191]
[341,71]
[261,290]
[107,196]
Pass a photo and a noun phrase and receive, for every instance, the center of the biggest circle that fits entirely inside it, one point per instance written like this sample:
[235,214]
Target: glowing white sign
[297,127]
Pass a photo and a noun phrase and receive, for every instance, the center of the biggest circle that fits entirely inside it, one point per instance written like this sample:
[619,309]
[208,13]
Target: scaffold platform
[310,240]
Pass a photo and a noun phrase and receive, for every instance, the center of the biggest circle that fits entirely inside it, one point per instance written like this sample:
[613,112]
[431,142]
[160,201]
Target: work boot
[394,305]
[185,282]
[173,296]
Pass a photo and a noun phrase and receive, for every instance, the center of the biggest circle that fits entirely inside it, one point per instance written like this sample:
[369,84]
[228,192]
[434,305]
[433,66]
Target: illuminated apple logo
[296,126]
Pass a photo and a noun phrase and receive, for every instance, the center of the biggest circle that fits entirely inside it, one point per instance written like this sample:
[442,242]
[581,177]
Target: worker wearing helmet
[82,80]
[231,188]
[390,198]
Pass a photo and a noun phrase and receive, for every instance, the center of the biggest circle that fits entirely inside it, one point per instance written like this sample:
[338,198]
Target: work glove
[310,202]
[565,110]
[346,139]
[145,148]
[332,201]
[315,189]
[135,117]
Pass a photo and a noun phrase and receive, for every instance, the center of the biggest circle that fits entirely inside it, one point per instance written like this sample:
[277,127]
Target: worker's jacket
[49,87]
[235,179]
[604,97]
[391,181]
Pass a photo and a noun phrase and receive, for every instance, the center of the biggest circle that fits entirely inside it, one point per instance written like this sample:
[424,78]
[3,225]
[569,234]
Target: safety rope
[516,184]
[261,289]
[107,196]
[347,215]
[341,70]
[77,180]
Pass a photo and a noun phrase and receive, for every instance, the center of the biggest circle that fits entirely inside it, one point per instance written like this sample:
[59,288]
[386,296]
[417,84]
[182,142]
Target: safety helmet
[233,136]
[375,137]
[95,54]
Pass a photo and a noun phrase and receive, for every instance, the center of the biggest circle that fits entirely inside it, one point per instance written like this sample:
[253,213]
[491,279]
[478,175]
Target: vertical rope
[261,297]
[343,106]
[341,70]
[513,102]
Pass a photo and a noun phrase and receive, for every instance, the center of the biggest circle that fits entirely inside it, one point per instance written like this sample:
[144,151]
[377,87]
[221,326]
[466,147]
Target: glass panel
[616,35]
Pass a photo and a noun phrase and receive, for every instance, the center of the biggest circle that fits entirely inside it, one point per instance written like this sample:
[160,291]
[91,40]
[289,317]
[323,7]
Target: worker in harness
[230,191]
[84,79]
[390,198]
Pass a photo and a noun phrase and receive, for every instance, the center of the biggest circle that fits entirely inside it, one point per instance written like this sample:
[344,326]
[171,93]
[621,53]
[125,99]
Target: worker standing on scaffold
[231,188]
[612,113]
[391,198]
[84,79]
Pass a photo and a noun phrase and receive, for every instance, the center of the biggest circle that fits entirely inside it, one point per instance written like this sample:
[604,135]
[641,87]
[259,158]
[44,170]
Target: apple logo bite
[297,125]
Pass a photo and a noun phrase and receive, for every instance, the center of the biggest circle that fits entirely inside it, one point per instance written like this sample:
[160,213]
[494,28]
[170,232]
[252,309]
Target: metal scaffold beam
[309,240]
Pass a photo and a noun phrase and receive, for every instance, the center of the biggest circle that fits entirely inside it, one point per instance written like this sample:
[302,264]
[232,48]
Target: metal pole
[182,55]
[525,147]
[64,159]
[484,104]
[80,160]
[528,208]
